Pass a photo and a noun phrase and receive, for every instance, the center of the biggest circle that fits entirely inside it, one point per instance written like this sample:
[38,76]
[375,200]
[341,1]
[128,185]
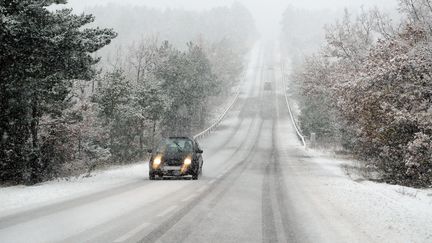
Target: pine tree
[41,53]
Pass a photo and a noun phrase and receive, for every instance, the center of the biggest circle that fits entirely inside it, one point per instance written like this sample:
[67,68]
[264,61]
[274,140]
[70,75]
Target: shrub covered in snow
[389,103]
[372,87]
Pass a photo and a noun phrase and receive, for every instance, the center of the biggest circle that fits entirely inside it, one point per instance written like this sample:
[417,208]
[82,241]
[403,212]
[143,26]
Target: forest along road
[258,185]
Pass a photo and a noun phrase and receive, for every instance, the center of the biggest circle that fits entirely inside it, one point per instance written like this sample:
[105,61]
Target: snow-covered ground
[19,198]
[398,211]
[340,166]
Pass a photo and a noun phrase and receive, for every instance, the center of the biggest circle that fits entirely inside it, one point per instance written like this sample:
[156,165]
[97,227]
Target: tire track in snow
[227,180]
[35,213]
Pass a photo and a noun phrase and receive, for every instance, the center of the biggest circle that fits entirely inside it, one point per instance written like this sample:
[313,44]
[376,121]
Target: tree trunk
[153,134]
[141,138]
[34,158]
[79,144]
[138,75]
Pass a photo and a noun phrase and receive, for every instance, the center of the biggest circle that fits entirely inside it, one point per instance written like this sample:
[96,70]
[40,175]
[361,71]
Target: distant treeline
[61,115]
[369,89]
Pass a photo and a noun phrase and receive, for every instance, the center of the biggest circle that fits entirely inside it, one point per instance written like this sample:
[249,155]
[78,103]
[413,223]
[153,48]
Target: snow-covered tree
[188,80]
[143,57]
[418,12]
[41,52]
[392,116]
[372,86]
[226,62]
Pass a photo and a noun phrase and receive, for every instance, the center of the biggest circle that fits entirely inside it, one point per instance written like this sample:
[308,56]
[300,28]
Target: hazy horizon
[266,14]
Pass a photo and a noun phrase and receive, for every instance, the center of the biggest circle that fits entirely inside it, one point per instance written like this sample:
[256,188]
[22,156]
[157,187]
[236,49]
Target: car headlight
[157,161]
[187,161]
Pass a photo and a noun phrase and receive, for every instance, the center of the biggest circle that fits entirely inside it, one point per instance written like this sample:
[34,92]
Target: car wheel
[151,176]
[195,174]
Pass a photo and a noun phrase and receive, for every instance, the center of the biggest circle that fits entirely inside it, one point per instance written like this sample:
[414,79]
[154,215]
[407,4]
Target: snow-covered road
[258,185]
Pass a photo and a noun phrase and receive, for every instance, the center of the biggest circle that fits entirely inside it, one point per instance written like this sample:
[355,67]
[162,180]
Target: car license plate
[172,168]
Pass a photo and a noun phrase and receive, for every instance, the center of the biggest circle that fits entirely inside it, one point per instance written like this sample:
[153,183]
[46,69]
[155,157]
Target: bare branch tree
[143,57]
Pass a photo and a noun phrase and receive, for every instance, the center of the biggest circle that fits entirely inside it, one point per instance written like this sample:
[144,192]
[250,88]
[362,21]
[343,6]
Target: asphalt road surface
[258,185]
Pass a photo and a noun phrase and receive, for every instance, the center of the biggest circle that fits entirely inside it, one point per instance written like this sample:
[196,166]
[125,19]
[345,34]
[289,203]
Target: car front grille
[173,162]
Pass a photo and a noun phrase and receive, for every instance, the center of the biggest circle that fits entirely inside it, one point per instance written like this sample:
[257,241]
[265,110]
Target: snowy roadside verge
[219,105]
[388,213]
[21,198]
[343,167]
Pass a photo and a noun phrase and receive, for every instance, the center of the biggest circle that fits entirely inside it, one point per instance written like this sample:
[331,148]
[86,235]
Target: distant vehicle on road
[267,86]
[176,157]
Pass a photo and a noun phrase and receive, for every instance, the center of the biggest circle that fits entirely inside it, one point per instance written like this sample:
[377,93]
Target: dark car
[176,157]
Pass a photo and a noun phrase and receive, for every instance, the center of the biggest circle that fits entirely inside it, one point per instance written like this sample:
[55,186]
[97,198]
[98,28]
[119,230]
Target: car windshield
[173,145]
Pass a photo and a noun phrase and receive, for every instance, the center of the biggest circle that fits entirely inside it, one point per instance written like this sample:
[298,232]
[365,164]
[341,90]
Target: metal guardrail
[219,120]
[299,134]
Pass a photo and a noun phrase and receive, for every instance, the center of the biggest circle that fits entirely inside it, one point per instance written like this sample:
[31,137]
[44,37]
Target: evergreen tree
[41,53]
[188,81]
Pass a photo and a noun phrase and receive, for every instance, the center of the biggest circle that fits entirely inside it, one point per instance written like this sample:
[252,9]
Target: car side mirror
[199,151]
[149,151]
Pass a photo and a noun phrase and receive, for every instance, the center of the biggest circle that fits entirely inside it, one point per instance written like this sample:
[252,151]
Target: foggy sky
[267,13]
